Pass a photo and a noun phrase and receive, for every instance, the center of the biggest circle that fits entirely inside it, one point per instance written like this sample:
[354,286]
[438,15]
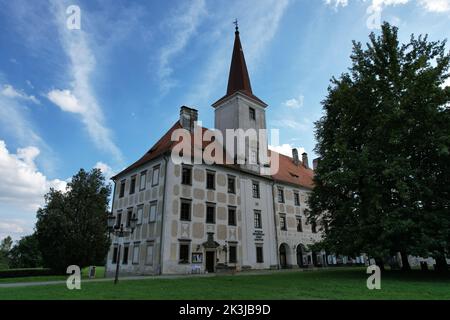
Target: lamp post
[120,232]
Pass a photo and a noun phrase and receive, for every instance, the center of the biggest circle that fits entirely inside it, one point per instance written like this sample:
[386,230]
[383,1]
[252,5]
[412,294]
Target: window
[258,223]
[283,223]
[140,214]
[149,256]
[232,254]
[129,215]
[152,212]
[210,213]
[252,113]
[313,227]
[259,254]
[296,199]
[299,224]
[136,253]
[231,184]
[184,253]
[155,176]
[133,185]
[186,175]
[210,180]
[143,180]
[255,189]
[119,220]
[280,195]
[185,210]
[122,189]
[125,255]
[114,257]
[231,216]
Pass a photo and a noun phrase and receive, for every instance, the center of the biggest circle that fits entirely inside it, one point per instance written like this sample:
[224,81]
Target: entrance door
[210,263]
[283,259]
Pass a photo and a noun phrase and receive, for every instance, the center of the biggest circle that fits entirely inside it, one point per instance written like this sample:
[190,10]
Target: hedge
[31,272]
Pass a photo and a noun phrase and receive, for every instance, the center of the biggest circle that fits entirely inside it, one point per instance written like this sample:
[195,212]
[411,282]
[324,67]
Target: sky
[102,94]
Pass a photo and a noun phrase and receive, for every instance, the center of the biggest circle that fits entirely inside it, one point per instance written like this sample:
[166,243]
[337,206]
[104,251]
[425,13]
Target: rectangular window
[283,223]
[186,175]
[114,257]
[152,212]
[184,253]
[133,185]
[231,216]
[143,180]
[296,199]
[258,222]
[122,189]
[125,255]
[129,215]
[119,220]
[299,224]
[210,213]
[232,254]
[136,253]
[313,227]
[280,195]
[210,180]
[185,210]
[155,176]
[259,254]
[252,114]
[140,214]
[149,256]
[255,189]
[231,184]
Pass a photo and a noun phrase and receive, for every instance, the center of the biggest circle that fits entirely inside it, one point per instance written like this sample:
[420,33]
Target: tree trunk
[441,264]
[405,262]
[380,263]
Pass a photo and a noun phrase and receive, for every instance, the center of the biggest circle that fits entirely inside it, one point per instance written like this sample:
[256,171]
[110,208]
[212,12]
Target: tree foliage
[72,226]
[382,183]
[26,253]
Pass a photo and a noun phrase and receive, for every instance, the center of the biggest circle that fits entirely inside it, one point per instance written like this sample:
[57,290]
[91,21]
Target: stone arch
[284,256]
[301,252]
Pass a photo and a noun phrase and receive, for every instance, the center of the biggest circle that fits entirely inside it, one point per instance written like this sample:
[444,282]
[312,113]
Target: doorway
[210,263]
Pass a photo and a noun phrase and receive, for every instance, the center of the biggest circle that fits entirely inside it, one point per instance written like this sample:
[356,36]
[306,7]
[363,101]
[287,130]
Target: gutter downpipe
[166,161]
[275,225]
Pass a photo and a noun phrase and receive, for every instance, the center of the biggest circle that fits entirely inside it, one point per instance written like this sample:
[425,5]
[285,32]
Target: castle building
[196,218]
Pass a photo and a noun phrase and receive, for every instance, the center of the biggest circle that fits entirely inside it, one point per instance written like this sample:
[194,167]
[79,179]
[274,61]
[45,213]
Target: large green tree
[25,253]
[72,226]
[382,179]
[5,246]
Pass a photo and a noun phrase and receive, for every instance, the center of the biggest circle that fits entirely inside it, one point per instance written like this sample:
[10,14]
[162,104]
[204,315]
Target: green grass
[100,272]
[326,284]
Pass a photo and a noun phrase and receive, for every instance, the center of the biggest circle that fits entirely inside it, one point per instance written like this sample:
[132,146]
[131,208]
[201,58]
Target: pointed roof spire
[238,79]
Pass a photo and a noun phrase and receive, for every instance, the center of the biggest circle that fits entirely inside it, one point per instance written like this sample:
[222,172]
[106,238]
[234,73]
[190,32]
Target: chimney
[305,160]
[315,163]
[187,117]
[295,156]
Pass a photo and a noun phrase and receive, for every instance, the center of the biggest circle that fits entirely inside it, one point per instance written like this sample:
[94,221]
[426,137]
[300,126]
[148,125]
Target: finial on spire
[236,25]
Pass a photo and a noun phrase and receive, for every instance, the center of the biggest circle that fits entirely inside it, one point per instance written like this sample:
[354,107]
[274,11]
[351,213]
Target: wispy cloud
[286,149]
[10,92]
[438,6]
[295,103]
[80,98]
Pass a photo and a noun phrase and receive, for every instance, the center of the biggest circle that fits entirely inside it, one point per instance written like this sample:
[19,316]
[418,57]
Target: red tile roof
[288,171]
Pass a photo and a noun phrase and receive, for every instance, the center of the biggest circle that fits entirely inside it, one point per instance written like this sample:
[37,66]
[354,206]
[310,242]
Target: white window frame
[143,174]
[140,214]
[153,204]
[155,179]
[135,257]
[152,246]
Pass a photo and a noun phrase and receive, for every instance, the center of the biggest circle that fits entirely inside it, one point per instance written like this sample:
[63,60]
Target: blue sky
[102,95]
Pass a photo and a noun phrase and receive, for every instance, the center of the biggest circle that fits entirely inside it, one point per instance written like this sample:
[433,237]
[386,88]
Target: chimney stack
[305,160]
[315,163]
[295,156]
[187,117]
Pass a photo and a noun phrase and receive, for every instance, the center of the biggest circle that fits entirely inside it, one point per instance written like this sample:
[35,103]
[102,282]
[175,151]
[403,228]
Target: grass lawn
[326,284]
[99,273]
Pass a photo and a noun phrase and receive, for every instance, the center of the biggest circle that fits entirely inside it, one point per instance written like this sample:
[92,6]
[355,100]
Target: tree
[5,246]
[26,253]
[381,185]
[72,226]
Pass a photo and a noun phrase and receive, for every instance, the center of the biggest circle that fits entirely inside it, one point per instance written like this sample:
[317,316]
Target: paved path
[242,273]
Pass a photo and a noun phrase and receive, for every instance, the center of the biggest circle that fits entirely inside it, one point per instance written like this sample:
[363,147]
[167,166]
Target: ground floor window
[184,253]
[114,257]
[233,254]
[259,254]
[136,253]
[149,256]
[125,255]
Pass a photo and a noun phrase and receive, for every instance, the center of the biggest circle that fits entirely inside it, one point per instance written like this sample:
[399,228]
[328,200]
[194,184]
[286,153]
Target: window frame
[183,168]
[188,245]
[122,188]
[257,223]
[230,260]
[152,245]
[129,217]
[114,256]
[155,205]
[188,202]
[210,173]
[257,190]
[231,178]
[213,207]
[140,216]
[283,222]
[259,254]
[156,168]
[143,174]
[133,185]
[231,208]
[252,113]
[297,198]
[137,246]
[299,223]
[125,257]
[280,195]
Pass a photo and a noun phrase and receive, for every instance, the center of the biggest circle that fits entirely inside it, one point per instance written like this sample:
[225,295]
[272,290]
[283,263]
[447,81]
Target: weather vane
[236,24]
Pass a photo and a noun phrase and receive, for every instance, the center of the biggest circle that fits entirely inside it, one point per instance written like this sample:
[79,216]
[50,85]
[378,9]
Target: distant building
[198,218]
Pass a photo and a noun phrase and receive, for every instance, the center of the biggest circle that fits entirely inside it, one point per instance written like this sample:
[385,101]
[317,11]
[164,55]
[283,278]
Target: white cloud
[80,98]
[295,103]
[286,149]
[23,185]
[337,3]
[436,5]
[105,169]
[182,26]
[10,92]
[303,126]
[15,228]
